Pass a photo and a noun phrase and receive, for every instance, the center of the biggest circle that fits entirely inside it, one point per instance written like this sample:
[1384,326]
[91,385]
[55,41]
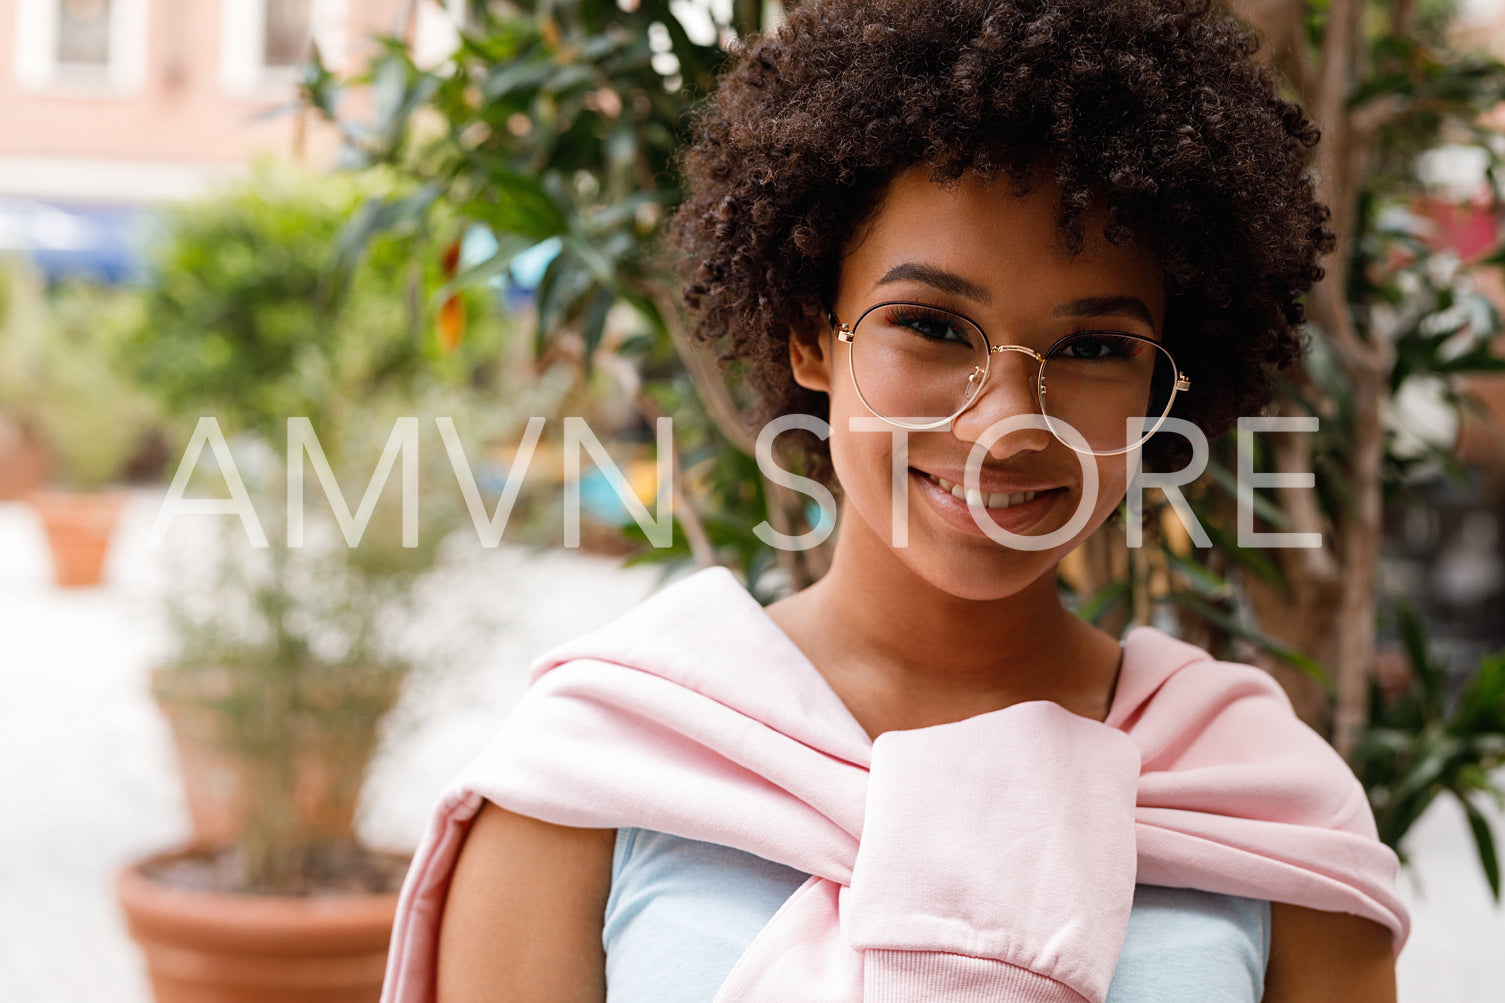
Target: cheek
[848,449]
[862,460]
[1112,483]
[1112,480]
[858,458]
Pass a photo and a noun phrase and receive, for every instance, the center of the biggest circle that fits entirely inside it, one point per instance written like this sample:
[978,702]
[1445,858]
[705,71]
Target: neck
[902,653]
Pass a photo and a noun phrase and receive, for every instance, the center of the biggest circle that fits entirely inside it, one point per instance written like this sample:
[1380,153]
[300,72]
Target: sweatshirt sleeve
[997,859]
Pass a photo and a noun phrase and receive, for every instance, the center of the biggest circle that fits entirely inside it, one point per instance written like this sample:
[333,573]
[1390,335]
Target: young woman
[994,244]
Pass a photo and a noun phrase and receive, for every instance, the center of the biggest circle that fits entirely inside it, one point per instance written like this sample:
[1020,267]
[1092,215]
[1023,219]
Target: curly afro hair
[1152,110]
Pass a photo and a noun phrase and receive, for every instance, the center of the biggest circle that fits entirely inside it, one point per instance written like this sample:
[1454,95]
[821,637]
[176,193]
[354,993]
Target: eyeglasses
[920,367]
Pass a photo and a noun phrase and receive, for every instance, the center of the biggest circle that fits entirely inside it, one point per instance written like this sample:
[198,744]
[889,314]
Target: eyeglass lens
[919,365]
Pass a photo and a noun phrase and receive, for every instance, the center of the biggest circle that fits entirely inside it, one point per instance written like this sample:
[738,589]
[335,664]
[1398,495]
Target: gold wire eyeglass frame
[846,333]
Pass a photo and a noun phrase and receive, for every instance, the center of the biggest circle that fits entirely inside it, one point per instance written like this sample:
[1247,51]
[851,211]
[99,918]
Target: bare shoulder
[1316,957]
[523,918]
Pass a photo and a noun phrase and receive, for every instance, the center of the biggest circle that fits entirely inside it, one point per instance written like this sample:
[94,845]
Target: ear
[810,358]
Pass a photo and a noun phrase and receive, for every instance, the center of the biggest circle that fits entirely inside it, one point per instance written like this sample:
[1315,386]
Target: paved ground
[88,782]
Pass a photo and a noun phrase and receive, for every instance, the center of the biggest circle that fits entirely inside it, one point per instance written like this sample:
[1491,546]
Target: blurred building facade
[110,106]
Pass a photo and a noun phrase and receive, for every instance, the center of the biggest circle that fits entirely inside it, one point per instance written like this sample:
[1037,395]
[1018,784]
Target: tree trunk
[1329,611]
[785,507]
[1360,546]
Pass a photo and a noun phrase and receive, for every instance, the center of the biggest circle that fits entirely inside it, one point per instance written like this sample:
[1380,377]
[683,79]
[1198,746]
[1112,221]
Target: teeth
[980,499]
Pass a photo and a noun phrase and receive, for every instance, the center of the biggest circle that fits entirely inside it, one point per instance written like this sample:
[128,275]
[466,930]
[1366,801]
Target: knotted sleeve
[997,860]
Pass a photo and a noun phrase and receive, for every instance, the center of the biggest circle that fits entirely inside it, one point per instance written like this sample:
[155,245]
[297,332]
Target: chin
[970,568]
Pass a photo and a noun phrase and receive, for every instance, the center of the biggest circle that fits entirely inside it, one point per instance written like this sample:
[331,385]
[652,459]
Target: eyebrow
[950,282]
[936,278]
[1102,306]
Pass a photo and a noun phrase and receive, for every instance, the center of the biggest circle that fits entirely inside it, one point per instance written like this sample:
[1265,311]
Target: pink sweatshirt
[994,858]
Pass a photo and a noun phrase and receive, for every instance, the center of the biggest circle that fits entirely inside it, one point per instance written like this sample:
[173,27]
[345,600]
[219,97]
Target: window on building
[98,46]
[288,24]
[263,42]
[83,33]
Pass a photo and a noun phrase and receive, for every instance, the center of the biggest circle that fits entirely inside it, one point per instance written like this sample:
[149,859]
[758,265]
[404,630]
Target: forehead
[1006,247]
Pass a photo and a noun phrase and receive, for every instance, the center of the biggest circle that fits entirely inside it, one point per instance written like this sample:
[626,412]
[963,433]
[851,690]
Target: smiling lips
[982,499]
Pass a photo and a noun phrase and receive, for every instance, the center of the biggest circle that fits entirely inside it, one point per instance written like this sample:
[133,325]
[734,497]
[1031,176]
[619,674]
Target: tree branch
[1404,18]
[1294,453]
[747,17]
[709,385]
[1367,120]
[784,504]
[1340,157]
[688,517]
[1279,23]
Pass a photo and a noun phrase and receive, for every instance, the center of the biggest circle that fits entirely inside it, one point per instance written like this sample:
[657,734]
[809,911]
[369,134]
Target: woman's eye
[933,326]
[1100,346]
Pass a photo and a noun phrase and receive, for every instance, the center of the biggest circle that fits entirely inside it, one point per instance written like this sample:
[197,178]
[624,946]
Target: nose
[1009,390]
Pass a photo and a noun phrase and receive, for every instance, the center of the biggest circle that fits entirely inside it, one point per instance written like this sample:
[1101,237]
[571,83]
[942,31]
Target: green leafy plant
[555,126]
[241,323]
[297,653]
[65,375]
[1424,742]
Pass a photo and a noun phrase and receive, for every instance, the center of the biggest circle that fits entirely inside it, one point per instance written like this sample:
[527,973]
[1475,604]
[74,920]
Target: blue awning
[78,240]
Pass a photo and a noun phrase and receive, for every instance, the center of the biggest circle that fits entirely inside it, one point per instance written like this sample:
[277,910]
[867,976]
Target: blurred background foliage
[241,320]
[65,380]
[550,137]
[298,652]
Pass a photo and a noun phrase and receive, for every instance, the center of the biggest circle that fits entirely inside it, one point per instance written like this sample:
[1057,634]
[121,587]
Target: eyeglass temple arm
[843,331]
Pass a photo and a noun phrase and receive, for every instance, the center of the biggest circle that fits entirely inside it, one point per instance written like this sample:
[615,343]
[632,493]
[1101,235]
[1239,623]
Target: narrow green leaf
[1424,779]
[508,247]
[1236,627]
[517,204]
[1198,575]
[376,217]
[514,80]
[1484,843]
[1256,561]
[601,267]
[1105,601]
[1413,638]
[1481,705]
[595,321]
[1261,504]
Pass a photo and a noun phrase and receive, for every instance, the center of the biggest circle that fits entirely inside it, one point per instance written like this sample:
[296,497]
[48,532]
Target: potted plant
[287,658]
[65,384]
[284,670]
[24,460]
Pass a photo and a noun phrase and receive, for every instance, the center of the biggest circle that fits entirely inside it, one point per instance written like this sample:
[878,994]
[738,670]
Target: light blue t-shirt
[682,912]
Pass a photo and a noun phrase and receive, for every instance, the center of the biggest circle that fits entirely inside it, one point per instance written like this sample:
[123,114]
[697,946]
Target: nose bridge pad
[974,383]
[1007,377]
[1011,388]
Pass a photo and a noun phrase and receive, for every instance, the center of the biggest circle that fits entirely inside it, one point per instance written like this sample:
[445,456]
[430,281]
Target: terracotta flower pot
[217,947]
[211,780]
[78,528]
[330,766]
[24,462]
